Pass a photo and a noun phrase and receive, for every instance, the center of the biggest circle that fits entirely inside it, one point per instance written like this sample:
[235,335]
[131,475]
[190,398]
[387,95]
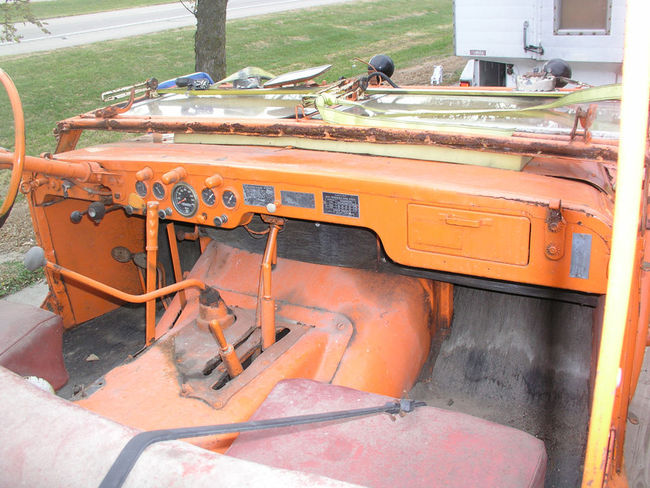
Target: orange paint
[389,316]
[364,330]
[120,295]
[226,351]
[18,157]
[266,300]
[392,196]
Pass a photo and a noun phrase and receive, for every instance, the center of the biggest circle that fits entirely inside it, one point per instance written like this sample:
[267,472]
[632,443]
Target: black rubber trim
[130,454]
[512,288]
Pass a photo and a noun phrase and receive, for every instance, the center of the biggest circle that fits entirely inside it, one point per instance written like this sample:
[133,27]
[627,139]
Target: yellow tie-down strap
[376,117]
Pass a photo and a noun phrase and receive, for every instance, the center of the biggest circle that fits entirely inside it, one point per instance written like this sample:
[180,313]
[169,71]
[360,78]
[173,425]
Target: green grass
[14,276]
[63,8]
[63,83]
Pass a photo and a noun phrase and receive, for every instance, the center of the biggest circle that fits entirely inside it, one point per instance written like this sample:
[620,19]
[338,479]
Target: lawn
[64,8]
[14,276]
[59,84]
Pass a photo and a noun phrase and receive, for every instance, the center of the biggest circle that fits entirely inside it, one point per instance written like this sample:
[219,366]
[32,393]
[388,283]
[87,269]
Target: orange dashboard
[478,221]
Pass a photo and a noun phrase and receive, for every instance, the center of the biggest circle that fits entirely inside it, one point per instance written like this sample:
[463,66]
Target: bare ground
[17,235]
[420,74]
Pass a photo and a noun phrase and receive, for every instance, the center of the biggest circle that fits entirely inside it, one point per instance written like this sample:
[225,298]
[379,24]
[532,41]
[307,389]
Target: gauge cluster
[187,197]
[209,198]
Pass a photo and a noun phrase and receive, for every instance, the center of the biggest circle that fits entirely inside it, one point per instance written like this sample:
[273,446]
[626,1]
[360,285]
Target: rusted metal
[146,86]
[586,119]
[212,307]
[554,232]
[28,185]
[520,143]
[116,109]
[66,141]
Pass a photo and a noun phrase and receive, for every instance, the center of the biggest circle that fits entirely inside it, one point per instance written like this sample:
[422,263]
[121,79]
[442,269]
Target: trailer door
[496,29]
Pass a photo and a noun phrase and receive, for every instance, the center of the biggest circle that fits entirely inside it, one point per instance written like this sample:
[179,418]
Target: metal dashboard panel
[475,235]
[496,219]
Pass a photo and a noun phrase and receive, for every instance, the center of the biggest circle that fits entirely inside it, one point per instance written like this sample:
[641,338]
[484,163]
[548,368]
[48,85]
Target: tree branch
[13,12]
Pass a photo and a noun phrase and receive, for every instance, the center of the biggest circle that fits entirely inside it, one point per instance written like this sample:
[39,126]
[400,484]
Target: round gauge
[158,190]
[141,188]
[229,199]
[184,199]
[208,196]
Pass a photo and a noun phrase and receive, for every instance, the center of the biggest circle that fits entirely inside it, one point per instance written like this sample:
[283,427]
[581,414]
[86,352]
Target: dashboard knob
[219,221]
[96,211]
[144,174]
[164,213]
[214,181]
[75,217]
[174,175]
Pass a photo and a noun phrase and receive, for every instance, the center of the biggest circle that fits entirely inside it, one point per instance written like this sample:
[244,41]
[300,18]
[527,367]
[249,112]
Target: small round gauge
[208,196]
[158,190]
[229,199]
[141,188]
[184,199]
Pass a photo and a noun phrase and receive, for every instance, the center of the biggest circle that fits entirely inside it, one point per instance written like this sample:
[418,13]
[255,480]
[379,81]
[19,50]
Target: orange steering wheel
[19,146]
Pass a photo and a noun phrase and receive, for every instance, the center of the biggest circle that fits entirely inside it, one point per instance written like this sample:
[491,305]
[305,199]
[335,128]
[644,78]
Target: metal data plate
[297,76]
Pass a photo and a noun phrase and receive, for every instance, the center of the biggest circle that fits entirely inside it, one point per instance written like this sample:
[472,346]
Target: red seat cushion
[31,342]
[428,447]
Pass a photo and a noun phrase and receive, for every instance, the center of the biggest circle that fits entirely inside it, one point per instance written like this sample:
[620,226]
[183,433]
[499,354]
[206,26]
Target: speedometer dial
[184,199]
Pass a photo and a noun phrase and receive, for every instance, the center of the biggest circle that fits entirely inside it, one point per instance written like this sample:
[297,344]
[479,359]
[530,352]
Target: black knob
[96,211]
[75,217]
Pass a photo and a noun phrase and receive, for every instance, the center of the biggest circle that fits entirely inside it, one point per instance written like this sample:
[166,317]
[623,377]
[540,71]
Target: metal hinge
[554,233]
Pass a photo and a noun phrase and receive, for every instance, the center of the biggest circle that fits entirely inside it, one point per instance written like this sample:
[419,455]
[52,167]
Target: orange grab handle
[127,297]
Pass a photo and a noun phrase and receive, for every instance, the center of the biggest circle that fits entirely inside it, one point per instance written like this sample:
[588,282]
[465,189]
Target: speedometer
[184,199]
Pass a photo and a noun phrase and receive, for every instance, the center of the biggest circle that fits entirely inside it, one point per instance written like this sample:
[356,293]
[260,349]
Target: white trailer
[507,38]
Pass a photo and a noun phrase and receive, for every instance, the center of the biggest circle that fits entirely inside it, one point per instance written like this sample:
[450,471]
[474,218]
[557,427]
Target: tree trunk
[210,38]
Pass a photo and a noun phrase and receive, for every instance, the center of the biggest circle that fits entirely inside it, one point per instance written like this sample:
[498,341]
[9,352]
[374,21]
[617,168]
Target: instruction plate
[341,204]
[259,195]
